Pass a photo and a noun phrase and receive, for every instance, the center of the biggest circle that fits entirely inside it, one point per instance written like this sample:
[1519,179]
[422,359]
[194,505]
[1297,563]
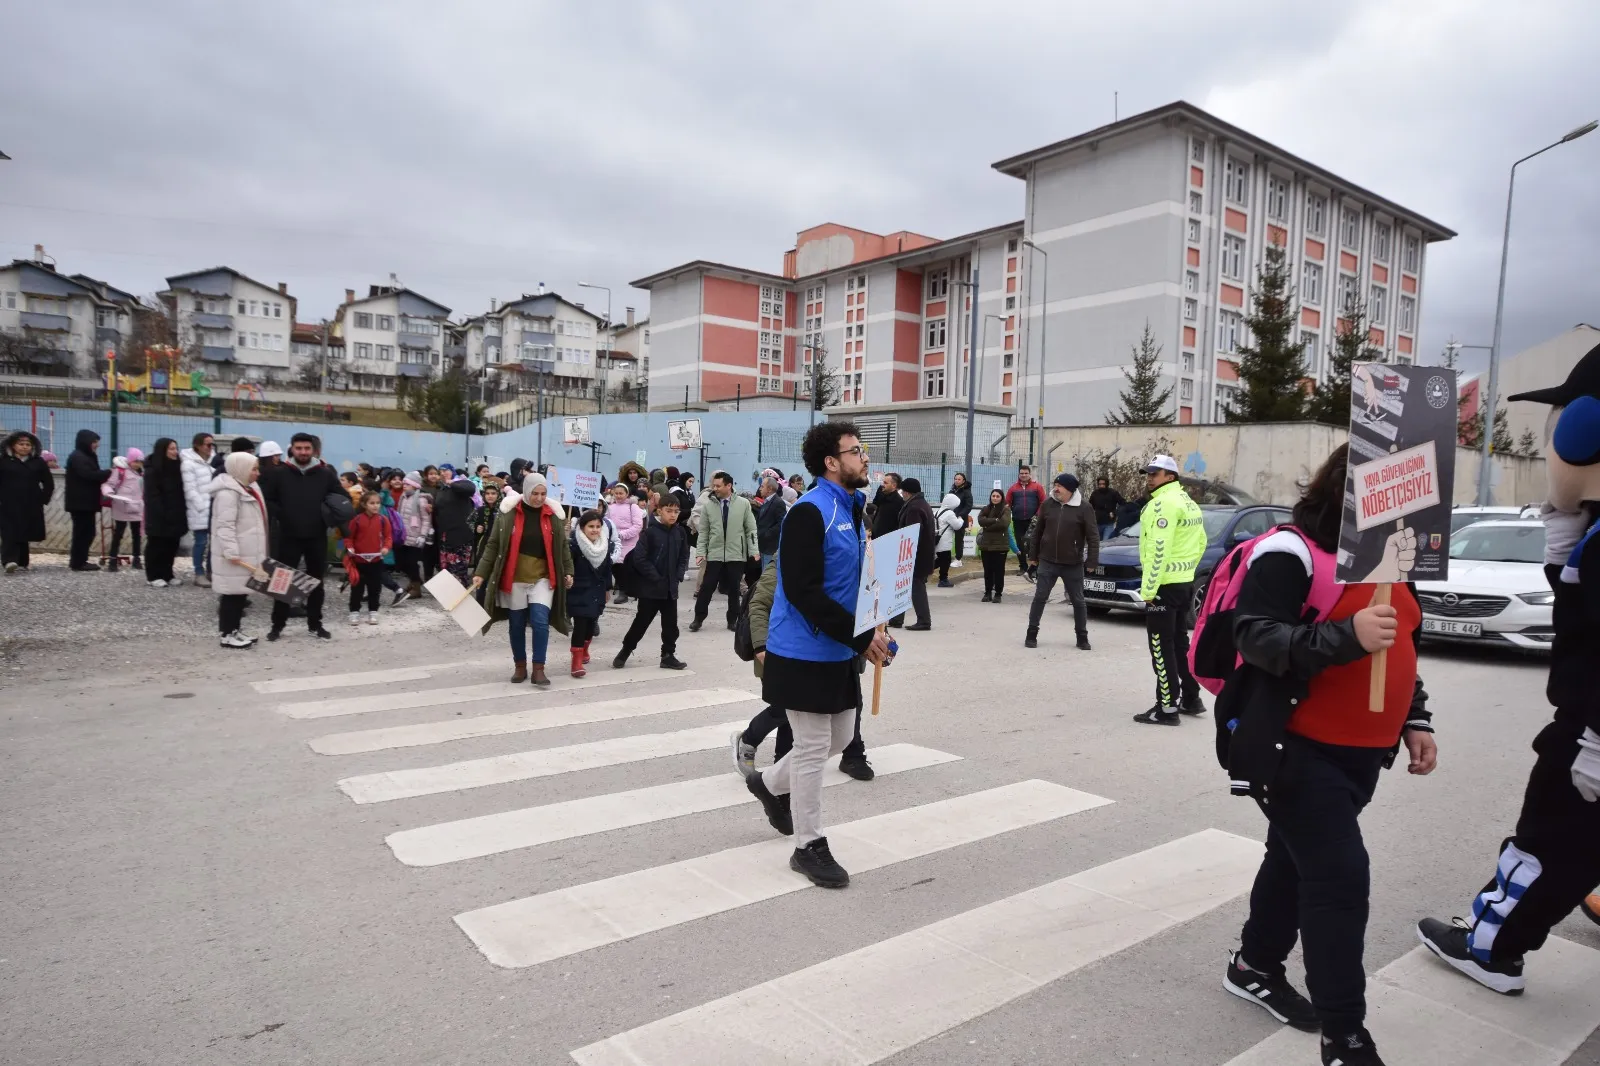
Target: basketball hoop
[684,435]
[575,430]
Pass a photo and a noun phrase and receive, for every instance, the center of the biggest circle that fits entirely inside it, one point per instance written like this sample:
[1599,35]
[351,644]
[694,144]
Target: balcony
[539,366]
[46,356]
[542,340]
[50,323]
[214,354]
[202,320]
[107,336]
[415,340]
[411,370]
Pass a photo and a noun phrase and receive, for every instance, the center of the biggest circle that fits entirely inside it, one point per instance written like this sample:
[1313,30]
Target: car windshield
[1216,520]
[1499,544]
[1460,520]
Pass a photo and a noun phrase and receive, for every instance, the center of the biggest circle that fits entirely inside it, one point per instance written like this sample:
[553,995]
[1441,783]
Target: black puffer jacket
[295,496]
[886,511]
[26,485]
[452,514]
[166,513]
[659,561]
[84,475]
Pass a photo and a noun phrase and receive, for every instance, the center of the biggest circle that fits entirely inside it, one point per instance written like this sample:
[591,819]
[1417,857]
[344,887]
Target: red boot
[586,650]
[577,662]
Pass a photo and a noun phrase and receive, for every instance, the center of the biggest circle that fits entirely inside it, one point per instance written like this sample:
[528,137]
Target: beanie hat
[135,455]
[268,449]
[911,484]
[1067,481]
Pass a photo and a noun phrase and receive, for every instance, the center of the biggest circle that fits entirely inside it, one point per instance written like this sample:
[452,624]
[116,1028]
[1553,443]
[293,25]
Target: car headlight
[1538,599]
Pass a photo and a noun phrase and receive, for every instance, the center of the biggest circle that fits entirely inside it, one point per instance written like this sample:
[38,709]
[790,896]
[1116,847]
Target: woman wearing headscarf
[166,515]
[526,571]
[238,542]
[26,485]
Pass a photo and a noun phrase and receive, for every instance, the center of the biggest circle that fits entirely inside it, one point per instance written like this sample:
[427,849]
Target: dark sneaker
[400,597]
[919,627]
[1083,642]
[1192,705]
[816,862]
[777,807]
[947,584]
[1450,943]
[1031,640]
[321,634]
[274,633]
[669,662]
[621,660]
[694,627]
[85,568]
[988,597]
[857,767]
[1350,1049]
[1275,995]
[1159,716]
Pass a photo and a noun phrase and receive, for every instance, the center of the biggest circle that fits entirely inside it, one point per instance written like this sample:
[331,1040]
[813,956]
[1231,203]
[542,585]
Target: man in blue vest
[810,670]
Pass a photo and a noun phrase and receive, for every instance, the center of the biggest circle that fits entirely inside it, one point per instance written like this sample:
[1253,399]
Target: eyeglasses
[859,449]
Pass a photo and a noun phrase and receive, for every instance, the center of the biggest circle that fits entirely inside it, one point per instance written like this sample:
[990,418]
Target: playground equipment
[136,388]
[249,390]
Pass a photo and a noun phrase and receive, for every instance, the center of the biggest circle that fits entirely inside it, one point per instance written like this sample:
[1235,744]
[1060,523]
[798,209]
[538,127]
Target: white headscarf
[238,465]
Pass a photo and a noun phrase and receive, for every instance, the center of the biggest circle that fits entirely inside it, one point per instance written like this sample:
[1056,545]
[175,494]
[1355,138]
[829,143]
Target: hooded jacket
[947,521]
[125,490]
[628,518]
[197,475]
[84,475]
[238,531]
[658,562]
[26,485]
[452,514]
[1025,500]
[994,525]
[165,511]
[294,495]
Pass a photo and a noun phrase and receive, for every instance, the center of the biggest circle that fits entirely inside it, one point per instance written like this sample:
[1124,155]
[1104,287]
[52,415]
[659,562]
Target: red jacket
[1018,499]
[369,535]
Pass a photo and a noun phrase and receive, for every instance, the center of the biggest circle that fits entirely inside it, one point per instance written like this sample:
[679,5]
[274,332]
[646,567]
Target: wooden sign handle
[877,681]
[1380,659]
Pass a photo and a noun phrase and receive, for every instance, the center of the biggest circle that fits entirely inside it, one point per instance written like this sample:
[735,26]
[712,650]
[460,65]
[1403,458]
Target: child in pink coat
[125,490]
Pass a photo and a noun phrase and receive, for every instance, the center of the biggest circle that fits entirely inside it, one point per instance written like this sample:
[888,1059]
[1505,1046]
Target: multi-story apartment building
[59,325]
[388,334]
[238,327]
[629,358]
[1162,218]
[540,334]
[307,347]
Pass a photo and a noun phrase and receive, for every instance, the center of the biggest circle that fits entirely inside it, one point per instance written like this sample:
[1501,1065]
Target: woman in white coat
[948,522]
[238,542]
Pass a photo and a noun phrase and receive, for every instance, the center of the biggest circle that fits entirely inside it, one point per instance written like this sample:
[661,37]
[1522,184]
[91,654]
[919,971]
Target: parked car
[1114,584]
[1497,592]
[1462,517]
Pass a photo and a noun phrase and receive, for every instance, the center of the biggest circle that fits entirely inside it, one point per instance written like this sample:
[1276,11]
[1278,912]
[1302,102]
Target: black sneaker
[694,627]
[777,807]
[988,597]
[1031,640]
[670,662]
[1192,705]
[1275,995]
[621,660]
[400,597]
[84,568]
[919,627]
[857,767]
[1449,942]
[1350,1049]
[274,633]
[1083,642]
[816,862]
[1158,715]
[321,634]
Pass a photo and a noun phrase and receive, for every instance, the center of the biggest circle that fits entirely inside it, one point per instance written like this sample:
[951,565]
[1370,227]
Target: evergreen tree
[1528,445]
[1469,430]
[1330,404]
[1144,401]
[1272,368]
[443,402]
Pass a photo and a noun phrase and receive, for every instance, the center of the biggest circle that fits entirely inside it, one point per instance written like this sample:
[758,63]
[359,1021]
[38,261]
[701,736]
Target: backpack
[397,526]
[1212,652]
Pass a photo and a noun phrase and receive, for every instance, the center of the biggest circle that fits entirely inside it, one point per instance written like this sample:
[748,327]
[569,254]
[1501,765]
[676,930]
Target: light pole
[1044,319]
[1499,315]
[998,318]
[604,376]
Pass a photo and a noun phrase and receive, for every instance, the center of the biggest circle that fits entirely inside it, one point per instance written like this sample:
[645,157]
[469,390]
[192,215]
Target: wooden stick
[877,681]
[460,600]
[1380,659]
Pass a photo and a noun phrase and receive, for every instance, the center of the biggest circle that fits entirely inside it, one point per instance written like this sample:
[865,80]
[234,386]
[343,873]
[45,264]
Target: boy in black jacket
[658,562]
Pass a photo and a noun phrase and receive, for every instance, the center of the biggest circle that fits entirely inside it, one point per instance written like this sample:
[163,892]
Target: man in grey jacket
[727,540]
[1062,539]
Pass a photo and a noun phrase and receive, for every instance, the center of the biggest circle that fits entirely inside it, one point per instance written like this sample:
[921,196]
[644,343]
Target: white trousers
[799,773]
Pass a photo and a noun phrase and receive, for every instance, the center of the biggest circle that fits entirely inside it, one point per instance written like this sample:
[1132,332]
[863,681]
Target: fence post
[942,457]
[113,380]
[759,432]
[886,448]
[738,393]
[216,416]
[794,404]
[686,397]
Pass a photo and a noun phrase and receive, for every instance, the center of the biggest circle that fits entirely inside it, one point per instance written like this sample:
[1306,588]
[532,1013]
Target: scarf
[594,551]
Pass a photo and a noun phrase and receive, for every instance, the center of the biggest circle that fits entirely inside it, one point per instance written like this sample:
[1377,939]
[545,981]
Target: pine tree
[1330,404]
[1528,445]
[1469,430]
[1272,368]
[1144,402]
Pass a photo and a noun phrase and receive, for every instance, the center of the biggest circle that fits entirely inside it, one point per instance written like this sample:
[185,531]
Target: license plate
[1092,585]
[1454,629]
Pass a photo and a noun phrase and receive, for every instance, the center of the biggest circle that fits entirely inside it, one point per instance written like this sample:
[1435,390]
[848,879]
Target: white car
[1462,517]
[1497,592]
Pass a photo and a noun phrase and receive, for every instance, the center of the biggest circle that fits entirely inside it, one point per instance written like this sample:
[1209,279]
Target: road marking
[434,697]
[1420,1010]
[867,1005]
[546,762]
[493,725]
[283,685]
[526,932]
[490,834]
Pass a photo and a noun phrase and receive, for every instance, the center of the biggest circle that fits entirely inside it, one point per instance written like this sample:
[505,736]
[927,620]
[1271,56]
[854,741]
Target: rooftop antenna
[1114,109]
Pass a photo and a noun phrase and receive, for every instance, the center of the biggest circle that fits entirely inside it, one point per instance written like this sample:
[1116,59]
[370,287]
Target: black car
[1114,584]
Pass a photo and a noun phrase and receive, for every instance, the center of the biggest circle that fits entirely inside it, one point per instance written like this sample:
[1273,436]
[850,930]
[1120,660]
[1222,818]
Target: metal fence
[57,427]
[936,470]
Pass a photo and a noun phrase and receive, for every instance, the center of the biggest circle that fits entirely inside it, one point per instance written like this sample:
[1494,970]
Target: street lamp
[1499,314]
[1044,319]
[604,370]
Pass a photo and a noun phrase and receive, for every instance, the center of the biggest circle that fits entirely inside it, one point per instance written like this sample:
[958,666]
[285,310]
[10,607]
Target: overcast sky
[478,148]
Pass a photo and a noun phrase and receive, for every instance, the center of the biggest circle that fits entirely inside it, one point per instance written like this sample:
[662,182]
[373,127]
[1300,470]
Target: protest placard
[886,574]
[293,587]
[572,488]
[458,602]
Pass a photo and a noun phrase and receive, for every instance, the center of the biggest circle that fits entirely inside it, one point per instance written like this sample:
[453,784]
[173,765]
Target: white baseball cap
[268,448]
[1162,462]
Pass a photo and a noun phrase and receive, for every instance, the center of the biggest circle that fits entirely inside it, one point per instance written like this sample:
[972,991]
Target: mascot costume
[1553,861]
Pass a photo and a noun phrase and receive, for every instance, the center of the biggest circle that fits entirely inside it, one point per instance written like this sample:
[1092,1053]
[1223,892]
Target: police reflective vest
[1172,538]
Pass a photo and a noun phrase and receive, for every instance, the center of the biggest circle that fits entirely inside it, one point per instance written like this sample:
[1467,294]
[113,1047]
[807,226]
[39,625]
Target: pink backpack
[1212,654]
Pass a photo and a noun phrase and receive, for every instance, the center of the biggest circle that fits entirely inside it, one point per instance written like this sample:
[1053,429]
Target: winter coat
[26,485]
[238,530]
[766,591]
[964,494]
[916,512]
[197,475]
[769,523]
[294,497]
[659,561]
[1025,500]
[416,511]
[452,514]
[947,522]
[1105,503]
[587,596]
[994,528]
[638,471]
[558,561]
[886,511]
[84,475]
[1061,533]
[629,518]
[734,544]
[166,514]
[482,524]
[126,492]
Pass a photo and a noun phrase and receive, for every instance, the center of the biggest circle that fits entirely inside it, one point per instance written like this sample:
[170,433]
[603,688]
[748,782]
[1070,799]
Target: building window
[850,285]
[1408,313]
[386,322]
[1316,213]
[277,309]
[1011,303]
[252,308]
[105,318]
[1011,245]
[1308,345]
[363,351]
[1277,198]
[1186,390]
[1196,202]
[1350,228]
[1228,332]
[1311,283]
[936,334]
[1413,254]
[938,284]
[1225,398]
[1191,281]
[1191,310]
[1233,257]
[1236,180]
[197,305]
[1197,150]
[933,385]
[1188,362]
[1194,231]
[1378,305]
[363,320]
[385,353]
[244,340]
[11,301]
[1380,241]
[1349,294]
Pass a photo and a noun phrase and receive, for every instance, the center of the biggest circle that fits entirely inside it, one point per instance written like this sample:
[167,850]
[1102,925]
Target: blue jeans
[202,557]
[766,560]
[1107,529]
[540,616]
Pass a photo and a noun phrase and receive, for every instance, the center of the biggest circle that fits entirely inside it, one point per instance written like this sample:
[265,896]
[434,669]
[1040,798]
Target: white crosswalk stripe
[529,931]
[866,1005]
[541,717]
[435,697]
[524,765]
[280,686]
[491,834]
[1419,1010]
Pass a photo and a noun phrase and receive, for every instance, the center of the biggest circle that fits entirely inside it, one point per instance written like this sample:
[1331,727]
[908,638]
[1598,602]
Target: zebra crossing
[882,997]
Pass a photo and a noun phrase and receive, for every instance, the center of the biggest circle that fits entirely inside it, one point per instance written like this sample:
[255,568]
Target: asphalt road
[184,881]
